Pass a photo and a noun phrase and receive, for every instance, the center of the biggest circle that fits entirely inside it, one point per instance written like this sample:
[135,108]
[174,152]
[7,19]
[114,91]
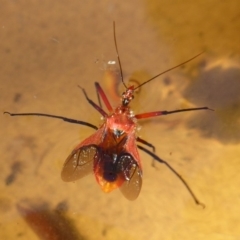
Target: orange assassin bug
[111,152]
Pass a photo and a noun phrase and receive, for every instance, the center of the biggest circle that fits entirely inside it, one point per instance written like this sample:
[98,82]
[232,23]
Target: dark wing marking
[133,177]
[79,163]
[131,147]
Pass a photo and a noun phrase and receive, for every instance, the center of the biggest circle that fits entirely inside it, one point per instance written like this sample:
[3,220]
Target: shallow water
[47,49]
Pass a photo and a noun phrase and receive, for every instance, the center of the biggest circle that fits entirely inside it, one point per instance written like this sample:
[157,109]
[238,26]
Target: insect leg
[99,109]
[174,171]
[99,99]
[54,116]
[158,113]
[146,143]
[149,145]
[100,93]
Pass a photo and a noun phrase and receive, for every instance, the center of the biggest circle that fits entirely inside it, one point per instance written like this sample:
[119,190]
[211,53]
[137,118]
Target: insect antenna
[119,62]
[168,70]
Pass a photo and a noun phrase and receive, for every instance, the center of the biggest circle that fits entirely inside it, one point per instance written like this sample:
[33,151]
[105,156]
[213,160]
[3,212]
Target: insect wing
[132,186]
[133,179]
[80,162]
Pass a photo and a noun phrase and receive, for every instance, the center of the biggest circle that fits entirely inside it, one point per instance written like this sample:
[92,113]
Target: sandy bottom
[48,48]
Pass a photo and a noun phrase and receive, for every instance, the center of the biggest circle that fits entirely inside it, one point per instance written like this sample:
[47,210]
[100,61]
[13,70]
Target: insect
[111,152]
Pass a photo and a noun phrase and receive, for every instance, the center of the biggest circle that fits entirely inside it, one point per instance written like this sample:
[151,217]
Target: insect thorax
[122,121]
